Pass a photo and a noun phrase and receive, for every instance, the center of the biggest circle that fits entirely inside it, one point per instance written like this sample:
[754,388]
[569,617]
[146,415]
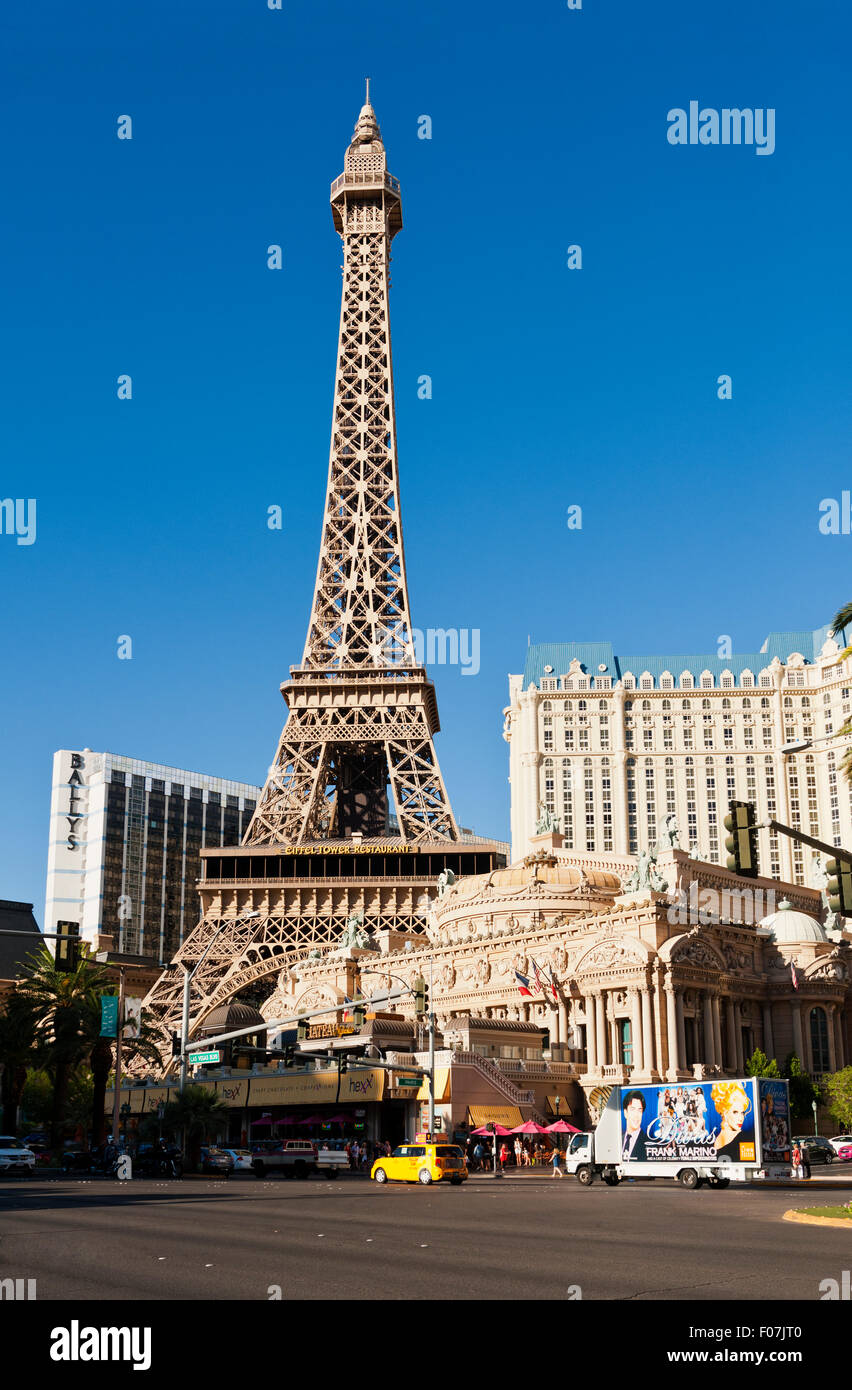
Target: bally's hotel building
[125,842]
[611,744]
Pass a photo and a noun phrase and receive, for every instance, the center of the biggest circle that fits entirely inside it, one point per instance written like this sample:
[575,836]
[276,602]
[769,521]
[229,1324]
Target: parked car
[39,1139]
[818,1150]
[424,1163]
[241,1159]
[15,1157]
[216,1161]
[840,1141]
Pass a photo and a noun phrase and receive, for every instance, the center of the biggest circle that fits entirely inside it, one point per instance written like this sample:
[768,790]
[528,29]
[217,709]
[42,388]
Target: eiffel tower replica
[354,824]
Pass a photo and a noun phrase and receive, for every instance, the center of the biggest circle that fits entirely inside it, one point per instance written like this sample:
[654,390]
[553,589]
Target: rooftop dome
[518,875]
[788,926]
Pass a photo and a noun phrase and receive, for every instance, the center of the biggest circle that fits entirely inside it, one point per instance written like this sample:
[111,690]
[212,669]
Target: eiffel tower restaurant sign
[354,817]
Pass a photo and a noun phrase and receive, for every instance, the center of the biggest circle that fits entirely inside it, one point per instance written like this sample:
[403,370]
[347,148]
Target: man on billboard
[633,1143]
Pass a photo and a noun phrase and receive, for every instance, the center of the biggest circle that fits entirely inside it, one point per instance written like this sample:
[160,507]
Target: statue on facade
[668,832]
[547,822]
[645,874]
[355,933]
[819,879]
[446,879]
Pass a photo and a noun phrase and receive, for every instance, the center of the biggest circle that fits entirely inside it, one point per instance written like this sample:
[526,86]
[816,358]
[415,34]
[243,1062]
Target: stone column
[738,1038]
[838,1037]
[600,1028]
[591,1046]
[806,1038]
[636,1030]
[832,1045]
[647,1031]
[672,1031]
[717,1031]
[732,1037]
[798,1046]
[768,1040]
[657,1012]
[709,1044]
[562,1019]
[681,1032]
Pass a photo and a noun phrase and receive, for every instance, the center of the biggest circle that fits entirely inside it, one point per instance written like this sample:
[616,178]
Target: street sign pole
[116,1113]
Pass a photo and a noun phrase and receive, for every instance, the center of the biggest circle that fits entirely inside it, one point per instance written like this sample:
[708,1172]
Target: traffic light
[741,842]
[421,996]
[67,946]
[289,1055]
[839,886]
[302,1030]
[342,1064]
[359,1013]
[175,1044]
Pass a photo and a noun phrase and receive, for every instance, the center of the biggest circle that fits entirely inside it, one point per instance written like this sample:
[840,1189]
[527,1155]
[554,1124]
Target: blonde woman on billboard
[733,1103]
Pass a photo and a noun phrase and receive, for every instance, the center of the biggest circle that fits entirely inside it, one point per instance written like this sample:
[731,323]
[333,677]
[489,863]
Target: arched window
[819,1040]
[726,704]
[746,703]
[687,681]
[706,704]
[646,704]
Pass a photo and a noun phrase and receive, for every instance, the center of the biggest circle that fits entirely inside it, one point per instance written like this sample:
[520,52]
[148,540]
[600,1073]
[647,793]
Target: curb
[806,1220]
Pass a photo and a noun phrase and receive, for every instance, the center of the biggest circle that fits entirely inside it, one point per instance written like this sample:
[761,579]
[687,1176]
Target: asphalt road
[526,1238]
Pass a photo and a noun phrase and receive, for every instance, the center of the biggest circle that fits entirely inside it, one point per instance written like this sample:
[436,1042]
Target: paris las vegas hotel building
[611,744]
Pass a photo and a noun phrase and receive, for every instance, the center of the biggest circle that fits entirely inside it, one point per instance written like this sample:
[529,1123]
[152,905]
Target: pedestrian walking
[557,1170]
[805,1161]
[504,1157]
[478,1155]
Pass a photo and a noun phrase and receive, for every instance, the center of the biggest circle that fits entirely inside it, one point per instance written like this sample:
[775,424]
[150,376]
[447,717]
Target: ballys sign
[75,784]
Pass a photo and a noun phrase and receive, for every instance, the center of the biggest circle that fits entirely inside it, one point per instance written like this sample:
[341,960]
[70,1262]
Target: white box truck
[694,1131]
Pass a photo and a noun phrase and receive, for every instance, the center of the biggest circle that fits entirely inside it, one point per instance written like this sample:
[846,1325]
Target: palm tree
[101,1062]
[197,1114]
[17,1042]
[62,1006]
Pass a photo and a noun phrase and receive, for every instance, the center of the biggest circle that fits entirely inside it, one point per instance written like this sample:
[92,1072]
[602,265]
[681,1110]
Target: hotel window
[604,739]
[667,704]
[569,740]
[706,704]
[834,799]
[603,683]
[582,704]
[589,788]
[667,739]
[603,706]
[767,736]
[706,681]
[747,680]
[646,704]
[727,682]
[567,683]
[629,683]
[746,703]
[667,682]
[583,683]
[647,683]
[670,787]
[584,741]
[765,680]
[710,784]
[606,803]
[748,736]
[567,805]
[728,736]
[625,1042]
[751,782]
[549,683]
[687,683]
[631,804]
[648,740]
[650,801]
[549,794]
[708,738]
[687,739]
[691,812]
[726,704]
[729,778]
[548,733]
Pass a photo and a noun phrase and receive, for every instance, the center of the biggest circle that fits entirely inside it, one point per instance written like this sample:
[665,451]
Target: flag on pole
[553,984]
[793,975]
[523,983]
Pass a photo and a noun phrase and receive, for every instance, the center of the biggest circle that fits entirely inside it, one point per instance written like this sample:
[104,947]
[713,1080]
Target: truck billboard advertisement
[702,1121]
[774,1120]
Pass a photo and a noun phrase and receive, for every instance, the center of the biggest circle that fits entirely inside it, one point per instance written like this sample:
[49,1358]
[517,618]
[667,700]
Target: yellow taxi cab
[422,1162]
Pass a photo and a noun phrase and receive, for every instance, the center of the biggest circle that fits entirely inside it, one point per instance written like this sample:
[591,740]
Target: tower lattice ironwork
[362,713]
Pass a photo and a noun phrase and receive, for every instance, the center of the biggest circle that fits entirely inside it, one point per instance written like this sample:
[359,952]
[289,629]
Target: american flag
[793,976]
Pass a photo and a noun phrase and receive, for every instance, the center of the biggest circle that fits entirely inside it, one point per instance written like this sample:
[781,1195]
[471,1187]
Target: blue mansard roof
[593,655]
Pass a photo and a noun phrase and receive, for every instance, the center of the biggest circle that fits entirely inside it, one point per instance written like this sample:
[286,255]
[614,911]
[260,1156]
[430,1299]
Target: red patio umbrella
[313,1120]
[498,1129]
[562,1127]
[529,1127]
[264,1120]
[339,1119]
[285,1120]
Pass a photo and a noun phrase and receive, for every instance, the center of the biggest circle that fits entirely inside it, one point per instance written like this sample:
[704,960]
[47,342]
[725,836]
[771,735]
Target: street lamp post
[814,1108]
[431,1016]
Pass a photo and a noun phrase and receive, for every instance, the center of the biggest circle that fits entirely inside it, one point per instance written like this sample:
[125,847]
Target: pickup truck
[298,1158]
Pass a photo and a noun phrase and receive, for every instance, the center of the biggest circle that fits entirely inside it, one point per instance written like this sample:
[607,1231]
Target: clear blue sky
[551,387]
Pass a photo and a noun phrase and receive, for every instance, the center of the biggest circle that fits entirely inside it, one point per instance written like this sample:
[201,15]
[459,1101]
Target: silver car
[15,1157]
